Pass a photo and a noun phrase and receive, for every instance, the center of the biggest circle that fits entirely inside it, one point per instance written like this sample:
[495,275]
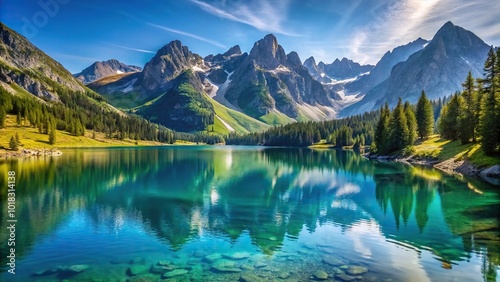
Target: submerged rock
[345,277]
[284,275]
[247,266]
[49,271]
[226,269]
[356,270]
[320,275]
[213,257]
[260,264]
[173,273]
[333,261]
[250,278]
[237,255]
[160,269]
[148,277]
[224,265]
[137,269]
[164,262]
[77,268]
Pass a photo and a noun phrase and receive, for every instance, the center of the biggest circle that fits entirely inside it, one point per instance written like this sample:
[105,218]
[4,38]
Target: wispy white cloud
[263,15]
[133,49]
[404,21]
[215,43]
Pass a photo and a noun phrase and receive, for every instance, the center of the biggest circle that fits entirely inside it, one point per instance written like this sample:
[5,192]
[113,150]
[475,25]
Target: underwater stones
[213,257]
[48,271]
[176,272]
[66,270]
[320,275]
[345,277]
[160,269]
[226,269]
[224,265]
[137,269]
[148,277]
[266,268]
[284,275]
[247,266]
[260,264]
[355,270]
[77,268]
[237,255]
[333,261]
[164,263]
[250,278]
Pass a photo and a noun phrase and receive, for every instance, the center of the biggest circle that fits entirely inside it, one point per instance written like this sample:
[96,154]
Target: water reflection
[179,195]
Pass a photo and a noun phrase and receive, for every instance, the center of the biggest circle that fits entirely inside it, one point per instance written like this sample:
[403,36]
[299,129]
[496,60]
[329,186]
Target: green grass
[276,118]
[239,121]
[218,127]
[31,139]
[435,147]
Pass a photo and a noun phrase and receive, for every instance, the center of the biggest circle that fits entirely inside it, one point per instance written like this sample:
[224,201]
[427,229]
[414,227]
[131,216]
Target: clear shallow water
[220,213]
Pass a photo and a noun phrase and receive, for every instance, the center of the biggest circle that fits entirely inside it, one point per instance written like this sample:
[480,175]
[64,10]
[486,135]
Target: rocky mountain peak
[267,53]
[235,50]
[102,69]
[293,59]
[20,60]
[168,63]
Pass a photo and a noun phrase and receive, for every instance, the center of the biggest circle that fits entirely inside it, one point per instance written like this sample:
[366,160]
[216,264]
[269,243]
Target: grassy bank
[444,150]
[32,139]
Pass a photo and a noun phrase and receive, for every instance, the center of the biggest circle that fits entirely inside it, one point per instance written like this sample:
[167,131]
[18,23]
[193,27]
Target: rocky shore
[21,153]
[463,167]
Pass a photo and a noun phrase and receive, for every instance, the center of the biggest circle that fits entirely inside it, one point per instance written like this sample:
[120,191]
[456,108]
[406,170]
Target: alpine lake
[224,213]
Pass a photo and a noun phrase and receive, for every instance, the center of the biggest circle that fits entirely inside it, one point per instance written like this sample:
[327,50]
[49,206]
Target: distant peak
[270,36]
[310,60]
[449,24]
[235,50]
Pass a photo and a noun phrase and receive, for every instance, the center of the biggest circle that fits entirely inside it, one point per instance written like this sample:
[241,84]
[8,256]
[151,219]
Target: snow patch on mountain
[230,128]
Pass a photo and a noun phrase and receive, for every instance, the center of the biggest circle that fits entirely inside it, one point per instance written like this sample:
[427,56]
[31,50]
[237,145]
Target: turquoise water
[245,213]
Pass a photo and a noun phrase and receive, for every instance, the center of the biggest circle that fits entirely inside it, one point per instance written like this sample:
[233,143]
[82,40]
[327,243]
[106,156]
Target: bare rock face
[269,79]
[167,64]
[102,69]
[26,65]
[439,69]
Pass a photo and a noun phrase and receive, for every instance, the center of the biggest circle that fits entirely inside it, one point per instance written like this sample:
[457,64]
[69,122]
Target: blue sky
[77,33]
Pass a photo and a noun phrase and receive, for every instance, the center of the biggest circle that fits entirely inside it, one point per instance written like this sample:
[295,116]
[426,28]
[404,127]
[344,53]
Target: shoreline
[490,175]
[24,153]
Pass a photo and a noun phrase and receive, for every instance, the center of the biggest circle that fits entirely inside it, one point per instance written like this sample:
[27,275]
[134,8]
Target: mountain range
[102,69]
[244,92]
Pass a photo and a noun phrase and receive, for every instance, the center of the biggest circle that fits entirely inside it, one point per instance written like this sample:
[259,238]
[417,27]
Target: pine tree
[490,108]
[411,122]
[399,127]
[382,131]
[448,121]
[467,120]
[13,143]
[18,118]
[18,139]
[2,117]
[52,135]
[489,136]
[425,120]
[490,71]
